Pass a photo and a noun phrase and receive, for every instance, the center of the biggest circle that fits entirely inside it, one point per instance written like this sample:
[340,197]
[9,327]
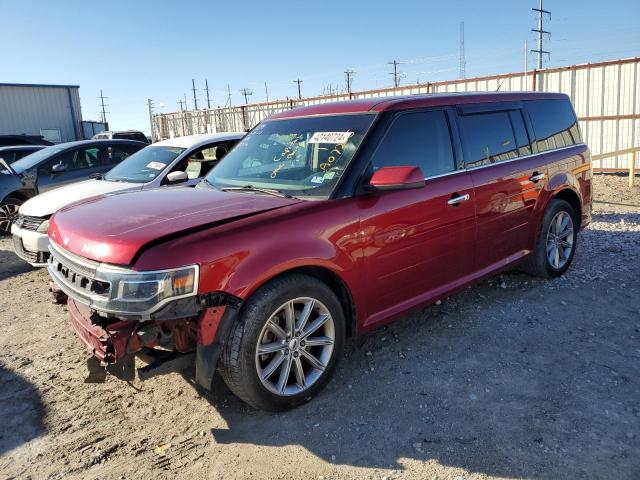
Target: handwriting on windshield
[334,154]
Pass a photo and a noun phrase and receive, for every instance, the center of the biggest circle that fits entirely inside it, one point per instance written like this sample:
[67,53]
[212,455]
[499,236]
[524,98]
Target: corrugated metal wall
[27,109]
[606,97]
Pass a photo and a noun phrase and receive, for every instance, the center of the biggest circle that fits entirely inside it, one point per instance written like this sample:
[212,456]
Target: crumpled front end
[183,331]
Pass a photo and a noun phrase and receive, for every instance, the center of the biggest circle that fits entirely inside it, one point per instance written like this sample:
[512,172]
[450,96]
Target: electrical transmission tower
[298,81]
[540,33]
[102,106]
[193,89]
[246,92]
[349,78]
[396,75]
[463,60]
[206,89]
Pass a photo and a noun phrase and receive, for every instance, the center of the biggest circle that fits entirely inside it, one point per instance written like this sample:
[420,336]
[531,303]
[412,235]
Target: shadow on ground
[21,410]
[11,265]
[535,380]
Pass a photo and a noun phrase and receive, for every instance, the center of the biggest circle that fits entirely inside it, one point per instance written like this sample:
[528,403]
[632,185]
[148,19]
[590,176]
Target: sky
[139,49]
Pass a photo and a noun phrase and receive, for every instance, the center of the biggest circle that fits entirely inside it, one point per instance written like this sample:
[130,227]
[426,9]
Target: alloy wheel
[560,240]
[8,215]
[295,346]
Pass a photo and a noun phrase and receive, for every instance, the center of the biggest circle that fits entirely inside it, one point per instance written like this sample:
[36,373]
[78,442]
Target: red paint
[397,177]
[208,325]
[394,250]
[381,104]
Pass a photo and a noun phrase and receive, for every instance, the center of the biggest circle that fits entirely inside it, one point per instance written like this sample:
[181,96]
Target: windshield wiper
[251,188]
[97,176]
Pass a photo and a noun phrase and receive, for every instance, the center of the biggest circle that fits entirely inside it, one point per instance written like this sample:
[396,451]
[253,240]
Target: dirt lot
[516,378]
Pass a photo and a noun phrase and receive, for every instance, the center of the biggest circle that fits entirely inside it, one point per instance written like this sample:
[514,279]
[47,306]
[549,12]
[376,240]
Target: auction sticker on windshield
[156,165]
[330,137]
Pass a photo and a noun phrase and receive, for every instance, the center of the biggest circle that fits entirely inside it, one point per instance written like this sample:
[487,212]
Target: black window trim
[454,138]
[505,107]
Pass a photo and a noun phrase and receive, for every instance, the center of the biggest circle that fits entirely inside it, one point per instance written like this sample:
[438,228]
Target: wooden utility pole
[298,81]
[150,107]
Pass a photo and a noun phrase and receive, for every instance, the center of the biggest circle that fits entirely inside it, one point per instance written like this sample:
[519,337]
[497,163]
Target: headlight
[143,292]
[44,226]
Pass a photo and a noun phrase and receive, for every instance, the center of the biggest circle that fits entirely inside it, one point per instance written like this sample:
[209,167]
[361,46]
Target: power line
[206,89]
[349,78]
[298,81]
[463,60]
[540,33]
[102,104]
[246,92]
[193,89]
[396,77]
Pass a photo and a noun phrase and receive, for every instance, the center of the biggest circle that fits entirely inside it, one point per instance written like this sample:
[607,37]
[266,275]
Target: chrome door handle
[536,177]
[459,199]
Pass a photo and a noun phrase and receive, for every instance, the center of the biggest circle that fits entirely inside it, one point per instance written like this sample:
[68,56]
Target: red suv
[323,222]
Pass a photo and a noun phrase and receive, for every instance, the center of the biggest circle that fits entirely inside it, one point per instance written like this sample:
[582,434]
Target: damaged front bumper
[164,345]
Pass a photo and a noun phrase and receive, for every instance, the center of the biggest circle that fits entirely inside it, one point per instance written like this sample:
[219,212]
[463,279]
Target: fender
[241,256]
[558,181]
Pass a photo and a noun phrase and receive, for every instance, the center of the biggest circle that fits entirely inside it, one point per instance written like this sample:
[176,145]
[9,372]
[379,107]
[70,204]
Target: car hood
[50,202]
[114,228]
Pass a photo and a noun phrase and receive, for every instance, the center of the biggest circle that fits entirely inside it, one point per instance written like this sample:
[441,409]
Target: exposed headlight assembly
[132,292]
[43,227]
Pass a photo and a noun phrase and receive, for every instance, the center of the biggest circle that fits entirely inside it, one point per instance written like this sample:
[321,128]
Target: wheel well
[338,286]
[20,195]
[572,199]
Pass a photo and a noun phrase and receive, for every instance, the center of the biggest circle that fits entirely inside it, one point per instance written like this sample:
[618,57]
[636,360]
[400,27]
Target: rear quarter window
[554,123]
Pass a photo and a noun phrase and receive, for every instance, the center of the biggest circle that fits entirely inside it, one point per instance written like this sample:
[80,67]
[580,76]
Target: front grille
[76,275]
[28,255]
[29,223]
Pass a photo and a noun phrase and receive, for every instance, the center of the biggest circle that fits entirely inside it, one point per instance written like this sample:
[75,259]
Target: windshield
[144,165]
[303,157]
[32,160]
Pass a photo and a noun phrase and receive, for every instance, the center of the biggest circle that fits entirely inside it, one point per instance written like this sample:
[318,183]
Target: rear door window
[554,123]
[487,138]
[420,139]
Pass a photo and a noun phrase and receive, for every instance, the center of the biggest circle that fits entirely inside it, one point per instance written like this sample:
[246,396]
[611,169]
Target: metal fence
[606,96]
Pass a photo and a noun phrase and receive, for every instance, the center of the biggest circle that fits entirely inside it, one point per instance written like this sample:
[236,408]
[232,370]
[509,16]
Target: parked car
[182,160]
[14,153]
[124,134]
[324,221]
[53,167]
[13,140]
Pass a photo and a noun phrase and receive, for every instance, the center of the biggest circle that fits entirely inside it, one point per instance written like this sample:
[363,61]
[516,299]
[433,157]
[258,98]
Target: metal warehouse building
[52,111]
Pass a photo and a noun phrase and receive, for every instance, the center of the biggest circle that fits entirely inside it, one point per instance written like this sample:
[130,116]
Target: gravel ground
[513,378]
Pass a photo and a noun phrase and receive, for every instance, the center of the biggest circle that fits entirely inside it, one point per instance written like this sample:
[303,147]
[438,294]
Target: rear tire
[556,241]
[8,213]
[297,324]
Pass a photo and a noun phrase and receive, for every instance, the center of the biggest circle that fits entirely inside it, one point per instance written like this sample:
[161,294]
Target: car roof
[189,141]
[23,147]
[98,141]
[381,104]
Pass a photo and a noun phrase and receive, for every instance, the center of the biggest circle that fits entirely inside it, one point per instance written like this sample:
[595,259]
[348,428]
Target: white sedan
[181,160]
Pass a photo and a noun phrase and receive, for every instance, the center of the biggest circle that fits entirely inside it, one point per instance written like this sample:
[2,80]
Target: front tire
[556,242]
[8,214]
[286,344]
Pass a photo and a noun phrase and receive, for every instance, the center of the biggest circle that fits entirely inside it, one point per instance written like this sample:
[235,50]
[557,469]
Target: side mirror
[397,178]
[177,177]
[58,168]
